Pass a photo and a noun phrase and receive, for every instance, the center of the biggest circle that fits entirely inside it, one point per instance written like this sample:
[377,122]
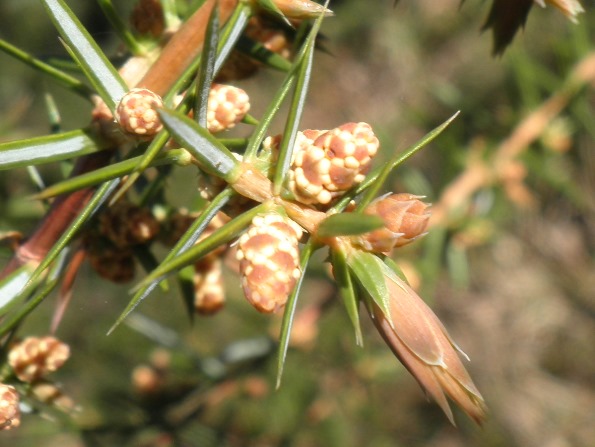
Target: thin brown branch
[483,173]
[183,48]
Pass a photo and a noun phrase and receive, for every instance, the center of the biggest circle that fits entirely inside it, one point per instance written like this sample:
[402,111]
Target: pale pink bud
[405,219]
[50,394]
[301,9]
[420,341]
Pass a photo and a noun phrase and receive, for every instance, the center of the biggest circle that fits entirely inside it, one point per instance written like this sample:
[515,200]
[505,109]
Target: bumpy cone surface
[269,261]
[10,415]
[137,112]
[325,164]
[227,107]
[35,357]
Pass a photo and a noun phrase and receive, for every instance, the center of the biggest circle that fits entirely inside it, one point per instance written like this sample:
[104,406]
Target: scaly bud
[10,415]
[111,263]
[227,107]
[327,164]
[126,224]
[35,357]
[405,219]
[147,18]
[269,261]
[420,341]
[137,112]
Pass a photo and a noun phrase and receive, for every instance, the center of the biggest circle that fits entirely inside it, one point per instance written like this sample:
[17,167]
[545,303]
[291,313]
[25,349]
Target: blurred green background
[510,271]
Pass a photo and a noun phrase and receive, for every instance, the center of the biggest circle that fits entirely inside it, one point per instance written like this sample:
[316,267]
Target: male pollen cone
[420,341]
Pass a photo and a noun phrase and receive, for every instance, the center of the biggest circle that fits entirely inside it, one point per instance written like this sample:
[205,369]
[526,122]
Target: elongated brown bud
[301,9]
[269,261]
[405,218]
[35,357]
[420,341]
[10,415]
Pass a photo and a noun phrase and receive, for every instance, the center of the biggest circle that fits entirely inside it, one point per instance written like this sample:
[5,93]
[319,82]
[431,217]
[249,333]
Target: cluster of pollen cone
[31,360]
[324,166]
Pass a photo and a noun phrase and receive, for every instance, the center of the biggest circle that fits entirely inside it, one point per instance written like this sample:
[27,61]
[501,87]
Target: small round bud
[327,164]
[137,112]
[10,415]
[271,36]
[269,261]
[126,224]
[146,380]
[147,18]
[50,394]
[112,263]
[35,357]
[405,218]
[227,106]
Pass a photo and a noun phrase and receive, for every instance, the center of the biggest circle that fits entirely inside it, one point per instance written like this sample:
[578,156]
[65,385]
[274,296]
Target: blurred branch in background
[480,173]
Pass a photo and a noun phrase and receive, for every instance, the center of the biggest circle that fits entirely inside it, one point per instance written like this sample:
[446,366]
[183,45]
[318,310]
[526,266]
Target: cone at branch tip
[422,344]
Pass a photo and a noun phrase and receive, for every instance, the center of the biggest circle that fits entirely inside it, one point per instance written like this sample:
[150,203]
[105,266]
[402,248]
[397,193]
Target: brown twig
[483,173]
